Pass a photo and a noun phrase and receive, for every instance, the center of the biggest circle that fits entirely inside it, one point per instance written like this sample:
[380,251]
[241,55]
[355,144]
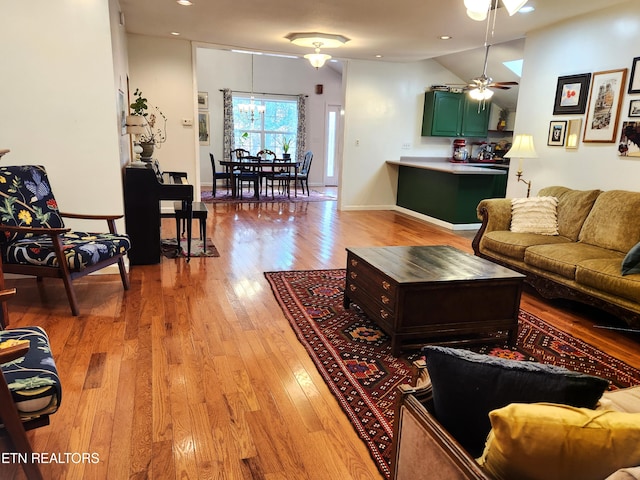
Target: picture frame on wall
[634,108]
[557,133]
[634,83]
[571,94]
[203,128]
[203,100]
[605,101]
[574,129]
[629,145]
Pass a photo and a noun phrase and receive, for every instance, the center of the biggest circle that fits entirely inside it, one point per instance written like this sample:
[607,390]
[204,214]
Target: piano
[144,188]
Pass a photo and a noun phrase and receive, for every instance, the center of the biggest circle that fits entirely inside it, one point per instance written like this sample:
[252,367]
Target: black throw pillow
[467,386]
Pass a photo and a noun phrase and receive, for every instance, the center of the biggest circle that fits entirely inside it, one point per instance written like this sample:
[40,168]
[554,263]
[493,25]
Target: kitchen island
[448,191]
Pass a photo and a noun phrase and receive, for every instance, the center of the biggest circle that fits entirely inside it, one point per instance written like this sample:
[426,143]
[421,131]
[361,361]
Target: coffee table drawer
[362,274]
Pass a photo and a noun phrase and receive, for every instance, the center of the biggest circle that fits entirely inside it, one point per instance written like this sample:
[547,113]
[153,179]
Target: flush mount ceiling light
[317,40]
[478,9]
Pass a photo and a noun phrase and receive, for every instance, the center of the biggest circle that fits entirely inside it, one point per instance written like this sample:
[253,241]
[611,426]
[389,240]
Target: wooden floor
[195,373]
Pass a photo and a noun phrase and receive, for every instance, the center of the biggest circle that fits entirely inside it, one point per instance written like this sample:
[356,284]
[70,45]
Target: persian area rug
[354,356]
[223,197]
[199,248]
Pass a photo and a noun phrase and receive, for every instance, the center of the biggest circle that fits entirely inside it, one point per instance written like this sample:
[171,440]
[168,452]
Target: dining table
[259,166]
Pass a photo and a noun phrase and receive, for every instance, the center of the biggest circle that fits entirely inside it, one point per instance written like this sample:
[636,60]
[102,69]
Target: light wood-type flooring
[195,373]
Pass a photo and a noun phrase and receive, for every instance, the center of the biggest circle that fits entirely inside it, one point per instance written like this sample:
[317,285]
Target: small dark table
[434,294]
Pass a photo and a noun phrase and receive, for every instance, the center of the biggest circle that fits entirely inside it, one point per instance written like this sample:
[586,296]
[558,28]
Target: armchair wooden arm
[34,230]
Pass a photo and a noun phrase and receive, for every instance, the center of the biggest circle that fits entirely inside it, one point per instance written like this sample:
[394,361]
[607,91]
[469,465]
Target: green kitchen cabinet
[449,114]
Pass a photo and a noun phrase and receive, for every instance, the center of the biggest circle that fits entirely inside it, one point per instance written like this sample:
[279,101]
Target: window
[268,130]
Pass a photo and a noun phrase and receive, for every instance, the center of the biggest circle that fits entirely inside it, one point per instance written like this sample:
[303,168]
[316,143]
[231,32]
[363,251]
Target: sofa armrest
[422,448]
[495,214]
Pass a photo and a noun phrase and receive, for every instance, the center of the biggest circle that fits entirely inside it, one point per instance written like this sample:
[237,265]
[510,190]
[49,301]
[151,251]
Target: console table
[434,294]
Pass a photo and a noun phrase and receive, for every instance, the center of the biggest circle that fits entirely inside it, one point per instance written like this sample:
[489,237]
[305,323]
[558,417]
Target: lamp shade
[317,59]
[135,124]
[513,6]
[477,9]
[481,93]
[522,147]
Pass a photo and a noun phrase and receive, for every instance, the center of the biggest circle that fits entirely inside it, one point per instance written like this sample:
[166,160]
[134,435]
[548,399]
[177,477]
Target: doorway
[332,165]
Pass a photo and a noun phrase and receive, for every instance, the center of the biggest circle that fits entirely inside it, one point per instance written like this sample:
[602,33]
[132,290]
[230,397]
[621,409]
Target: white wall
[162,69]
[383,110]
[218,69]
[604,40]
[58,99]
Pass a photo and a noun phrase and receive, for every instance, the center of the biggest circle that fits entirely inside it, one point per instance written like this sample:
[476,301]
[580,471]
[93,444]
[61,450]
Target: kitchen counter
[445,190]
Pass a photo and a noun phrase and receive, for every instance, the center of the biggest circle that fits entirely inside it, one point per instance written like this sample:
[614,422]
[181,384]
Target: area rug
[199,248]
[223,197]
[354,356]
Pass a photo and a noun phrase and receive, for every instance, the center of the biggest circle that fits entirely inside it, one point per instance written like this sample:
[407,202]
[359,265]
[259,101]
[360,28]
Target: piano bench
[199,212]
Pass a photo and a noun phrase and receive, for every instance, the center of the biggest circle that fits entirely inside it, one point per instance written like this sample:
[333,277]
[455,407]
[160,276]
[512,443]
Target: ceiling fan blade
[505,83]
[500,87]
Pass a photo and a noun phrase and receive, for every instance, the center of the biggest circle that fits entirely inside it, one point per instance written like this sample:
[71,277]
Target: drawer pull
[353,275]
[352,287]
[386,285]
[385,299]
[384,314]
[354,262]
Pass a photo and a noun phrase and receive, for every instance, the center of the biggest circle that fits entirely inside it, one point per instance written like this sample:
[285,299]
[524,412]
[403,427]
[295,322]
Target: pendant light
[317,40]
[251,107]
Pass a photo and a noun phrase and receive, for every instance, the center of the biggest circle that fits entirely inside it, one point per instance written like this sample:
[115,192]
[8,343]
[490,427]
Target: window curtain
[228,140]
[301,137]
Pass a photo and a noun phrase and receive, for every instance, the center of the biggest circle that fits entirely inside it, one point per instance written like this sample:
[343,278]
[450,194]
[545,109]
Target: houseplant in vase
[155,125]
[286,145]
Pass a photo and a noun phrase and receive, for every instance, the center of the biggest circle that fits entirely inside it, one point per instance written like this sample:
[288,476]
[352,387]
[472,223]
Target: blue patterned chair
[30,388]
[36,242]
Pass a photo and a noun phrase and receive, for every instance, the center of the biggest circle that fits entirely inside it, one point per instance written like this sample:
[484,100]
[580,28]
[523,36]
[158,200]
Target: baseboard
[437,221]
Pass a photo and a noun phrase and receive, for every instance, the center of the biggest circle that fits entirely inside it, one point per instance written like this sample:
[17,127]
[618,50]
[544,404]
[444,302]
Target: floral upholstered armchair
[34,240]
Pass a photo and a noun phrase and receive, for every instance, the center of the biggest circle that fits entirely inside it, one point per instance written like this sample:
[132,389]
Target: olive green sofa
[596,230]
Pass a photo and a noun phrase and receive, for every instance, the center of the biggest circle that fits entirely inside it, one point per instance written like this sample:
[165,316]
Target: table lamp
[135,127]
[522,148]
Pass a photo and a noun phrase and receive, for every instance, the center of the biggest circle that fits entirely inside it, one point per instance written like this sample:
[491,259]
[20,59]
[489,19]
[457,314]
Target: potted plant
[155,132]
[286,145]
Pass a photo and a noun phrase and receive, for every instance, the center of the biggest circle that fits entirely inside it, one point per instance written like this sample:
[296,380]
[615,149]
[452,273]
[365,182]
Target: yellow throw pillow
[543,441]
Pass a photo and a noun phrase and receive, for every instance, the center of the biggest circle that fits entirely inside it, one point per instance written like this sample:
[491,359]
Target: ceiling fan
[479,88]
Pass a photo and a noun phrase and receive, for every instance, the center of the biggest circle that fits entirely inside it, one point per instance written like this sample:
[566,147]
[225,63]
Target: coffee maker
[460,152]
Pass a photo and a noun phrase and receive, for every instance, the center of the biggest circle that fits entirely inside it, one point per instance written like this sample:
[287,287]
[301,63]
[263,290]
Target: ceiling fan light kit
[478,9]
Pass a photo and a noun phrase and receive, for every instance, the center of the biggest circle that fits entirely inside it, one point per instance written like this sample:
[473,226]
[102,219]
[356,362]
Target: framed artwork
[634,83]
[574,128]
[634,108]
[203,100]
[571,94]
[605,101]
[629,145]
[557,131]
[203,128]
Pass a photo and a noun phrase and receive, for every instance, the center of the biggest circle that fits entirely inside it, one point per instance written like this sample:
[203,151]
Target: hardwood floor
[195,372]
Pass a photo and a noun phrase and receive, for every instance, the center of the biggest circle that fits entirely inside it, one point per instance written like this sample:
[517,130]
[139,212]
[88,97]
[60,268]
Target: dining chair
[303,174]
[219,175]
[245,174]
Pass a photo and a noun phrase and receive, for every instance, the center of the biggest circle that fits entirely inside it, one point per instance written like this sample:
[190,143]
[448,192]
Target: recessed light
[445,37]
[378,56]
[175,33]
[527,9]
[186,3]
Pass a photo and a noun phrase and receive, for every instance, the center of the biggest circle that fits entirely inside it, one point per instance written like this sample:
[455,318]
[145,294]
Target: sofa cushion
[534,215]
[613,221]
[512,244]
[547,442]
[466,386]
[562,259]
[604,275]
[573,208]
[631,262]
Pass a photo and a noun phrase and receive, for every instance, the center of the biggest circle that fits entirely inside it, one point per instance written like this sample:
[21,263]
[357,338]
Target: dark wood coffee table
[434,294]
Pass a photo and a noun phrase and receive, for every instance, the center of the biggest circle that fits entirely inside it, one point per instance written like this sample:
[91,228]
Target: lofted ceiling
[399,31]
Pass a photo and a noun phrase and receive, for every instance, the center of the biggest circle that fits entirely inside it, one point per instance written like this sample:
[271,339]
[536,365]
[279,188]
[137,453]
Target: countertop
[443,165]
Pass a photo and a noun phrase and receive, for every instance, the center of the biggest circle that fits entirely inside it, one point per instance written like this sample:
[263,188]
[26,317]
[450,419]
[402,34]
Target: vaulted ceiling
[398,31]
